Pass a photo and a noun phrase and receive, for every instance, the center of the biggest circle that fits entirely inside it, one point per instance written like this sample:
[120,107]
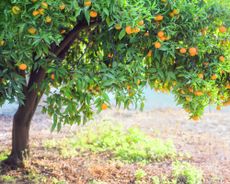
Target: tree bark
[22,121]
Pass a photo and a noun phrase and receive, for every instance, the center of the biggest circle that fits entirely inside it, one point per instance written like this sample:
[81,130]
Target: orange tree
[77,52]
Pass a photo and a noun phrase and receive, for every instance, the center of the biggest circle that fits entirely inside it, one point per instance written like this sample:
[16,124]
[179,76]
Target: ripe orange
[62,6]
[221,58]
[201,75]
[150,53]
[193,51]
[218,107]
[93,14]
[87,3]
[118,27]
[16,10]
[183,50]
[104,106]
[163,38]
[32,30]
[160,34]
[22,67]
[157,45]
[214,77]
[52,76]
[159,18]
[141,23]
[190,89]
[198,93]
[128,30]
[222,29]
[35,13]
[195,118]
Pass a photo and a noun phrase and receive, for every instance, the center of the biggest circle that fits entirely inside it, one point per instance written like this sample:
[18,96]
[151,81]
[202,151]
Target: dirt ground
[208,140]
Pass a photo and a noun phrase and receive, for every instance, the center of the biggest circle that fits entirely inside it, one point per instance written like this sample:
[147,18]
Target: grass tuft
[130,145]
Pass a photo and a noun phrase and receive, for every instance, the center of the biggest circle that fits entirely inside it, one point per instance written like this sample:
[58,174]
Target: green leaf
[122,34]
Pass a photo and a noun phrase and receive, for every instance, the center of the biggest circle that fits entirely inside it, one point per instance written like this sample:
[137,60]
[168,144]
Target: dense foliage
[173,46]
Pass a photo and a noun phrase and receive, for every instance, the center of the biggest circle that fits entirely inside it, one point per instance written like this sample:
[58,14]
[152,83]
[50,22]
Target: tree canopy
[114,47]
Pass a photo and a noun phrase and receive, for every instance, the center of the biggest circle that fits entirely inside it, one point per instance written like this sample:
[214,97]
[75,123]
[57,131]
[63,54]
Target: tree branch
[60,51]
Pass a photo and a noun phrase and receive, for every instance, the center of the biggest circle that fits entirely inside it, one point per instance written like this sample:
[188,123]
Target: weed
[130,145]
[7,179]
[56,181]
[139,174]
[3,155]
[186,173]
[162,180]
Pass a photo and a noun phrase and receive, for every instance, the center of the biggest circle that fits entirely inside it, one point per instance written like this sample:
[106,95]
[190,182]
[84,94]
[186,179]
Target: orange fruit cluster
[174,13]
[193,51]
[129,30]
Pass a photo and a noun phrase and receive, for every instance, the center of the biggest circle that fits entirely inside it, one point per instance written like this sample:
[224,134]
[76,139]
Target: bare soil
[208,142]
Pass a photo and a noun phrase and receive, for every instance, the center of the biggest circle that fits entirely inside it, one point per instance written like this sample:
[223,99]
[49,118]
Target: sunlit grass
[130,145]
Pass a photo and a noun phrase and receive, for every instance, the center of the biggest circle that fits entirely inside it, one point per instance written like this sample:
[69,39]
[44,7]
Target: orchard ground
[206,141]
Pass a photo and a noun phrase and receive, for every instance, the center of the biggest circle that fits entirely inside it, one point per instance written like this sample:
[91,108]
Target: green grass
[182,173]
[140,174]
[3,155]
[127,146]
[7,179]
[185,171]
[130,145]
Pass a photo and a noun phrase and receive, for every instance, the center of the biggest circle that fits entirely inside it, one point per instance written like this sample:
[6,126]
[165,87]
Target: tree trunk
[20,135]
[22,121]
